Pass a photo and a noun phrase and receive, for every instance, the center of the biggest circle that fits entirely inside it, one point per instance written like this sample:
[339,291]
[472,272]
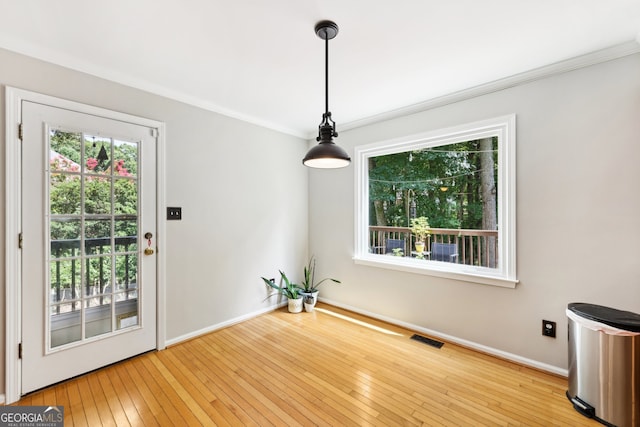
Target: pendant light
[326,154]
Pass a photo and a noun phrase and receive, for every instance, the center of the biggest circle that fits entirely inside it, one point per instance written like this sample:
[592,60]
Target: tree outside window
[454,186]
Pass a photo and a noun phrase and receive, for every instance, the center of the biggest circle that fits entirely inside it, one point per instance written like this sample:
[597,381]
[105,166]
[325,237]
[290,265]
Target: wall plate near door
[174,213]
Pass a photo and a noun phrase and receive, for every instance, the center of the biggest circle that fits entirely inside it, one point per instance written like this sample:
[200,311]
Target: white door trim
[13,226]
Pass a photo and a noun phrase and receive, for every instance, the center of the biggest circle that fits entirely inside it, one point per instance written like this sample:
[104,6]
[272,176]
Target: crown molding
[77,64]
[593,58]
[608,54]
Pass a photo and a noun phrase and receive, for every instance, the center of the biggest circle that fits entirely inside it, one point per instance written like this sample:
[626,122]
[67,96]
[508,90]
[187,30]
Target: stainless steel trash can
[604,363]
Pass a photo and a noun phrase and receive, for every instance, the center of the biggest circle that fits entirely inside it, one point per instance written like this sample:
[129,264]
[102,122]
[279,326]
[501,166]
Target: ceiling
[261,61]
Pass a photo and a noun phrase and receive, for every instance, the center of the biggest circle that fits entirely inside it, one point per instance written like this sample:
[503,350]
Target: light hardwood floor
[328,367]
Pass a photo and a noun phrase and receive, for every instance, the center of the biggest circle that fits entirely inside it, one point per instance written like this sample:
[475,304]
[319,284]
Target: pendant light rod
[326,30]
[326,73]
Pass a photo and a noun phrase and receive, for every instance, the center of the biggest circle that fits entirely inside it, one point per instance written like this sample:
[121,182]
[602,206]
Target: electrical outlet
[549,328]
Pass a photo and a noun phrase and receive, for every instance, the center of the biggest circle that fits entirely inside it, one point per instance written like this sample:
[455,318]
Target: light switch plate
[174,213]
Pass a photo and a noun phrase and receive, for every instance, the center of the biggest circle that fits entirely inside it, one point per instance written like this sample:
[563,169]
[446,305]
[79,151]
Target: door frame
[13,223]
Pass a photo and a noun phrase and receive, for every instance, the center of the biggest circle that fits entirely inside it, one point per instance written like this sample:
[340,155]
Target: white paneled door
[88,242]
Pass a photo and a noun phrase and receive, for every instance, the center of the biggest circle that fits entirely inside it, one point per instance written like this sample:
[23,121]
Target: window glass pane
[64,151]
[436,203]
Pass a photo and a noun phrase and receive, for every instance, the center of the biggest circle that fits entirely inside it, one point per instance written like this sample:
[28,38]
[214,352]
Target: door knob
[148,250]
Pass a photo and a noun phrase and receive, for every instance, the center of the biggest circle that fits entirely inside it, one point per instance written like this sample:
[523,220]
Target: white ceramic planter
[295,305]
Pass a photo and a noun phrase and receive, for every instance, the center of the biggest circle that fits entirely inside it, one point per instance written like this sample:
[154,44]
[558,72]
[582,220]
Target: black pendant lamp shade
[326,154]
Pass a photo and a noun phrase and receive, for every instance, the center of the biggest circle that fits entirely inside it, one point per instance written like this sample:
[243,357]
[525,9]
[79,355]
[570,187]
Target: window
[440,203]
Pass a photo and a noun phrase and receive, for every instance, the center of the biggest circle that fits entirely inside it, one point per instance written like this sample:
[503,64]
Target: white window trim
[504,128]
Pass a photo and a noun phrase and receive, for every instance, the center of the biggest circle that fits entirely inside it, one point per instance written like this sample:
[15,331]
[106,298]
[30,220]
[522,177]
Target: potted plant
[309,303]
[420,228]
[289,290]
[309,285]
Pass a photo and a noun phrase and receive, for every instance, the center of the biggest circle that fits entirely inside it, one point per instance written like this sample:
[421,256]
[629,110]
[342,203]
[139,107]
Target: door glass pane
[126,158]
[98,316]
[126,309]
[93,229]
[126,272]
[98,275]
[97,195]
[64,151]
[126,235]
[97,235]
[65,237]
[64,191]
[126,197]
[65,280]
[66,324]
[97,151]
[127,292]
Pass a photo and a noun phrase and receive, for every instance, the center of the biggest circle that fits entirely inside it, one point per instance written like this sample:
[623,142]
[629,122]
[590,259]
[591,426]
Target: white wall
[243,190]
[245,214]
[578,212]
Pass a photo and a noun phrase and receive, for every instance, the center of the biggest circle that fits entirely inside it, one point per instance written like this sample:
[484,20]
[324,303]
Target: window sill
[463,273]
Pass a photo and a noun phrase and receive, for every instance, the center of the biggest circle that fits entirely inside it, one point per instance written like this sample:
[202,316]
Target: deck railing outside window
[474,247]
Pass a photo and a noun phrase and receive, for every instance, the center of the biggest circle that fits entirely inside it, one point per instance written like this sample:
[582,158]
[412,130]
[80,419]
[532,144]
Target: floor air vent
[428,341]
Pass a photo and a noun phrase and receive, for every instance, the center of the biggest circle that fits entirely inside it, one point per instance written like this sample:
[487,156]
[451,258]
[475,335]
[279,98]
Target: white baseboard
[465,343]
[217,326]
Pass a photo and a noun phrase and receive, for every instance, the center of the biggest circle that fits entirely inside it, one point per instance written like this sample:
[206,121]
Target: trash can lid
[609,316]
